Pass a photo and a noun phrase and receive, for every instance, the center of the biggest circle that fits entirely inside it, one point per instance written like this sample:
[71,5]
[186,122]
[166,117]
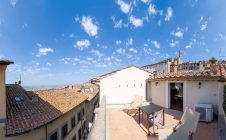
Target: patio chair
[134,105]
[184,130]
[156,118]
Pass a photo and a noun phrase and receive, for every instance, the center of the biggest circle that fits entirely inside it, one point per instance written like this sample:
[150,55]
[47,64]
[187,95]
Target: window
[74,138]
[17,98]
[73,122]
[83,112]
[64,131]
[79,116]
[53,136]
[80,134]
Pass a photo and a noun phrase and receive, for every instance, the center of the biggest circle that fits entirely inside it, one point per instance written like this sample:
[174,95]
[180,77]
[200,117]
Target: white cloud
[145,1]
[82,44]
[204,26]
[137,22]
[133,50]
[89,25]
[203,23]
[152,9]
[188,46]
[42,51]
[145,44]
[24,26]
[169,14]
[119,23]
[125,7]
[13,3]
[129,42]
[48,64]
[118,42]
[173,43]
[121,51]
[178,33]
[107,59]
[221,37]
[156,44]
[101,65]
[97,53]
[71,35]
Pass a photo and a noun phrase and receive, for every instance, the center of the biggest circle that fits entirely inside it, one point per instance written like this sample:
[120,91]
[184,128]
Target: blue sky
[60,42]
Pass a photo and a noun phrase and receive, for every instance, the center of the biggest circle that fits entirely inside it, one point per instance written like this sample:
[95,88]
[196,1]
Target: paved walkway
[125,127]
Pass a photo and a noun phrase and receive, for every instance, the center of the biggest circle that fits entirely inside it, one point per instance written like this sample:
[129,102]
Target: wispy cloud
[129,42]
[118,23]
[42,51]
[118,42]
[121,51]
[133,50]
[178,33]
[82,44]
[97,53]
[173,43]
[169,14]
[89,25]
[203,23]
[156,44]
[188,46]
[13,3]
[152,9]
[125,7]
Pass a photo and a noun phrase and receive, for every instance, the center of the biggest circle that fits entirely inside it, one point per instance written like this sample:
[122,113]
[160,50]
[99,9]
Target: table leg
[148,125]
[139,115]
[163,116]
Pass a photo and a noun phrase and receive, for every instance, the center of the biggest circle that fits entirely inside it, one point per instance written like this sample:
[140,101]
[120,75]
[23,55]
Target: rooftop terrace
[123,126]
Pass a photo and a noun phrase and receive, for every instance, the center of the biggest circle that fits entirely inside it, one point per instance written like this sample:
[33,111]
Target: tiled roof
[218,74]
[90,90]
[37,108]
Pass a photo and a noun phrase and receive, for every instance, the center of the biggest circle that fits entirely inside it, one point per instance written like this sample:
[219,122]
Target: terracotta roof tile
[37,108]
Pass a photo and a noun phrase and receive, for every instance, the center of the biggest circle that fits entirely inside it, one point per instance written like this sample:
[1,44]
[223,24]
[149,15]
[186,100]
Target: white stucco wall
[210,92]
[124,85]
[158,93]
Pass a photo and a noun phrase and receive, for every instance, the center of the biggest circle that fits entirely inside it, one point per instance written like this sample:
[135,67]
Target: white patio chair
[134,105]
[184,130]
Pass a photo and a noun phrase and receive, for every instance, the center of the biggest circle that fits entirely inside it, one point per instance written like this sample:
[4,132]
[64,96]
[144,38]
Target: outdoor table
[148,110]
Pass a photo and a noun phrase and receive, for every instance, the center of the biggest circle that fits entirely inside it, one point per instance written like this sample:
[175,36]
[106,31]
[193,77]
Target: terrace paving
[126,127]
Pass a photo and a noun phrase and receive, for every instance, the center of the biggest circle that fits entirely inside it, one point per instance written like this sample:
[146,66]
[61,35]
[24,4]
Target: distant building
[195,66]
[92,92]
[120,86]
[163,66]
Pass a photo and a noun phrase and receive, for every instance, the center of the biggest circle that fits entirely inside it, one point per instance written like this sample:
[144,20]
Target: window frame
[51,133]
[66,123]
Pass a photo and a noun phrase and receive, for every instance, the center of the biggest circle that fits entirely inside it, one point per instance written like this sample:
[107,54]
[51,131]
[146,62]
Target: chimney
[3,66]
[173,68]
[213,65]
